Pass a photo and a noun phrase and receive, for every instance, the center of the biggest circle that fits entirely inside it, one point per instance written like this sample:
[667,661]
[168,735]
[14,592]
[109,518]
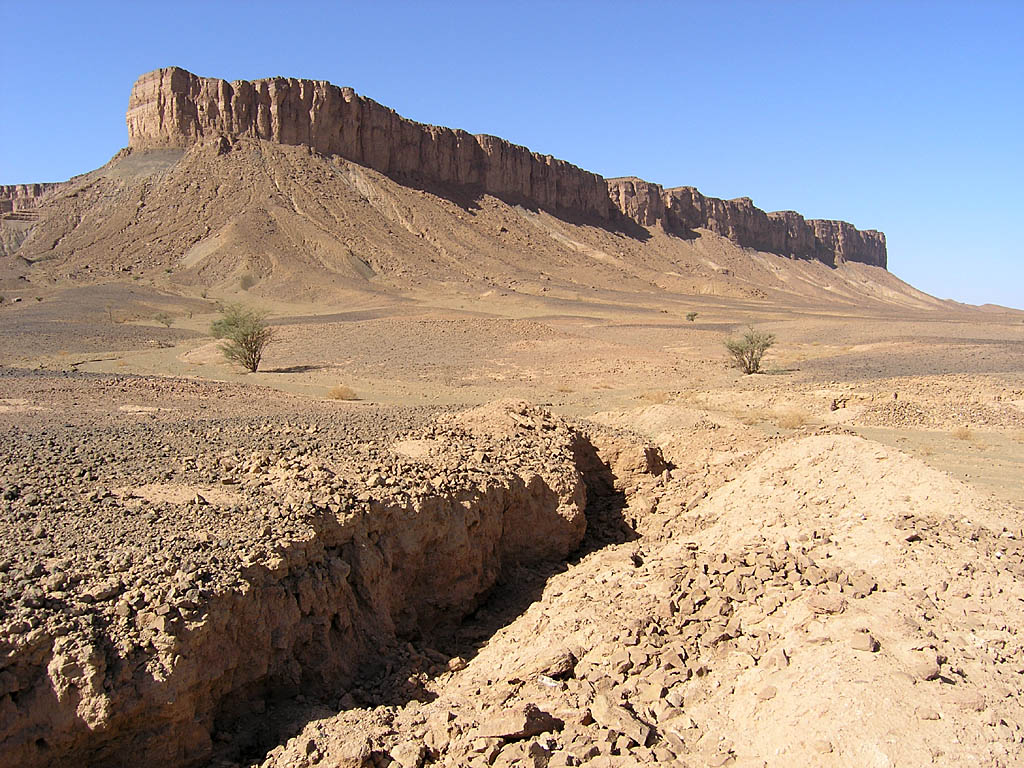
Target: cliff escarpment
[682,209]
[173,109]
[16,198]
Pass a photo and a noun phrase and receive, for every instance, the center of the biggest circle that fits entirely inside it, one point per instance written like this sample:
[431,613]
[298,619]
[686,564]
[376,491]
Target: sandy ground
[887,443]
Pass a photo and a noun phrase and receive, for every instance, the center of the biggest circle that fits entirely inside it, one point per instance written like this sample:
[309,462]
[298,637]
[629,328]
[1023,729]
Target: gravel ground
[115,488]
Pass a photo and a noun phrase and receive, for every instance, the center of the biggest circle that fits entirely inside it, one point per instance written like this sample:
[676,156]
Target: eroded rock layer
[300,568]
[172,108]
[681,209]
[21,197]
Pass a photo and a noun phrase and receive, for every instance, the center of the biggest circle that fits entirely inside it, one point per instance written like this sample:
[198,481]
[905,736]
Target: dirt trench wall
[304,621]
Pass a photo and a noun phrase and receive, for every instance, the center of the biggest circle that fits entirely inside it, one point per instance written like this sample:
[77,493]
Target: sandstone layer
[682,209]
[174,109]
[21,197]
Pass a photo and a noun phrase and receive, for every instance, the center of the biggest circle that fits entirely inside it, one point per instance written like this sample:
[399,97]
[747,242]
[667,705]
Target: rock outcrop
[172,108]
[15,198]
[681,209]
[333,569]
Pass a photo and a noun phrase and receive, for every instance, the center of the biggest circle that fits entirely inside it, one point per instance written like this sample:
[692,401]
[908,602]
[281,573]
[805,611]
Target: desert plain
[496,495]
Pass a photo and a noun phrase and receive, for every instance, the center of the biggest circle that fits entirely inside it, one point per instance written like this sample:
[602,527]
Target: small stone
[619,719]
[827,602]
[521,722]
[862,641]
[925,668]
[411,754]
[767,693]
[927,713]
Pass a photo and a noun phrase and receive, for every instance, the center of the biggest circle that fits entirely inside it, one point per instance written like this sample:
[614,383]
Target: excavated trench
[314,620]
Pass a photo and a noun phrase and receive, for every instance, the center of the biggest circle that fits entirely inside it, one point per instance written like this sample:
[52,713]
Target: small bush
[247,281]
[747,351]
[691,316]
[342,393]
[963,433]
[792,419]
[164,319]
[245,333]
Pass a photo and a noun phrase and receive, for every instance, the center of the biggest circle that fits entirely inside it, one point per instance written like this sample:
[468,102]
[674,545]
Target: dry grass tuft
[341,392]
[752,417]
[963,433]
[791,419]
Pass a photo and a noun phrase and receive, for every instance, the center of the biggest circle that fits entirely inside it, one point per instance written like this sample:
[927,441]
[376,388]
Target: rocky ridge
[681,209]
[172,108]
[15,199]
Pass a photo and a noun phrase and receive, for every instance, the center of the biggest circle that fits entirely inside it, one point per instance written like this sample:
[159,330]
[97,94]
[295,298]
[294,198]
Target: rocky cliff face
[172,108]
[21,197]
[785,232]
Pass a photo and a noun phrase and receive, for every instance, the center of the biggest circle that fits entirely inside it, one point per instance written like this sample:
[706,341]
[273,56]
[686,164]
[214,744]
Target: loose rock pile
[786,640]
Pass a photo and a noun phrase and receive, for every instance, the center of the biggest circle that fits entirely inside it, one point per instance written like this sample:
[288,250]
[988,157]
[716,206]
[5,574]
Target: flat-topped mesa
[172,108]
[784,232]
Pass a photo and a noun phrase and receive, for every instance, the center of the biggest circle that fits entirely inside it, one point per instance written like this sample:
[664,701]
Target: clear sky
[906,117]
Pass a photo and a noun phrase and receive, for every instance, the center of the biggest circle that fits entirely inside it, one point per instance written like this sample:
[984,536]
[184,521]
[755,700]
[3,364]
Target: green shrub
[691,316]
[747,351]
[245,333]
[164,319]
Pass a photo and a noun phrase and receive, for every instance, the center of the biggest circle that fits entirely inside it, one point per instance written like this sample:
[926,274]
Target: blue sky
[900,116]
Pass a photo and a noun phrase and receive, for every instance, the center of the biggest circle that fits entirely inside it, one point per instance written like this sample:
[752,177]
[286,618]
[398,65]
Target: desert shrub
[963,433]
[748,350]
[247,281]
[791,419]
[245,333]
[691,316]
[342,392]
[164,319]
